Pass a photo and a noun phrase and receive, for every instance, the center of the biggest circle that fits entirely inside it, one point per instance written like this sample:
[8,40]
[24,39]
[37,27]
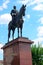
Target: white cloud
[23,1]
[1,45]
[39,38]
[31,3]
[41,20]
[5,18]
[4,5]
[38,7]
[37,3]
[1,50]
[40,31]
[28,16]
[27,2]
[40,28]
[40,1]
[37,41]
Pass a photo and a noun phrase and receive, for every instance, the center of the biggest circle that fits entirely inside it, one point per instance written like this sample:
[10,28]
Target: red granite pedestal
[18,52]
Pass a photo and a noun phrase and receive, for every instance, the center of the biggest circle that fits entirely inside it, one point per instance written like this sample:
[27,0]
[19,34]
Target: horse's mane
[21,8]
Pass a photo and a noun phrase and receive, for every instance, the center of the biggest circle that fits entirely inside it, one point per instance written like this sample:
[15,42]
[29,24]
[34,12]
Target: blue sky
[33,20]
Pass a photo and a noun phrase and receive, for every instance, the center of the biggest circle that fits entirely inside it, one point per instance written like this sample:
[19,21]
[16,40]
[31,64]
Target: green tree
[37,55]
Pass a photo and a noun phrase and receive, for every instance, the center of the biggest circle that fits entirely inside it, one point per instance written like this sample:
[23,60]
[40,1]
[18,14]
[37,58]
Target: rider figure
[14,13]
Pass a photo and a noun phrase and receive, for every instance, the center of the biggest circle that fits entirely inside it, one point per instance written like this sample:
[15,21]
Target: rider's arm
[12,13]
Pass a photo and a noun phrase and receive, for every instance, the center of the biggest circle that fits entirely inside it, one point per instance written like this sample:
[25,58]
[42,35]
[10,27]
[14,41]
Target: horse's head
[22,10]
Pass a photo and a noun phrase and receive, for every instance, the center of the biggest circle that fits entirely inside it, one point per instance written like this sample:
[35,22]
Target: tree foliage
[37,55]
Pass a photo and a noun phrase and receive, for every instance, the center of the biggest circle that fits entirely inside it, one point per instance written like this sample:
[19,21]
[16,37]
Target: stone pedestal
[18,52]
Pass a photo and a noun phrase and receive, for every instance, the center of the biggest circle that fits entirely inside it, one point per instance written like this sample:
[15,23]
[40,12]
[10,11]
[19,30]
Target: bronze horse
[18,23]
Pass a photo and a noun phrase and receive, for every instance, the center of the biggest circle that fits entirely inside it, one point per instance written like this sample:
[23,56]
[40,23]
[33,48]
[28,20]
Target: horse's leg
[18,32]
[21,31]
[8,35]
[13,34]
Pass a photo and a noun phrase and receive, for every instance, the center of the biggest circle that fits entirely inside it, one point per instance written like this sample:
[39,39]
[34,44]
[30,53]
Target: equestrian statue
[17,21]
